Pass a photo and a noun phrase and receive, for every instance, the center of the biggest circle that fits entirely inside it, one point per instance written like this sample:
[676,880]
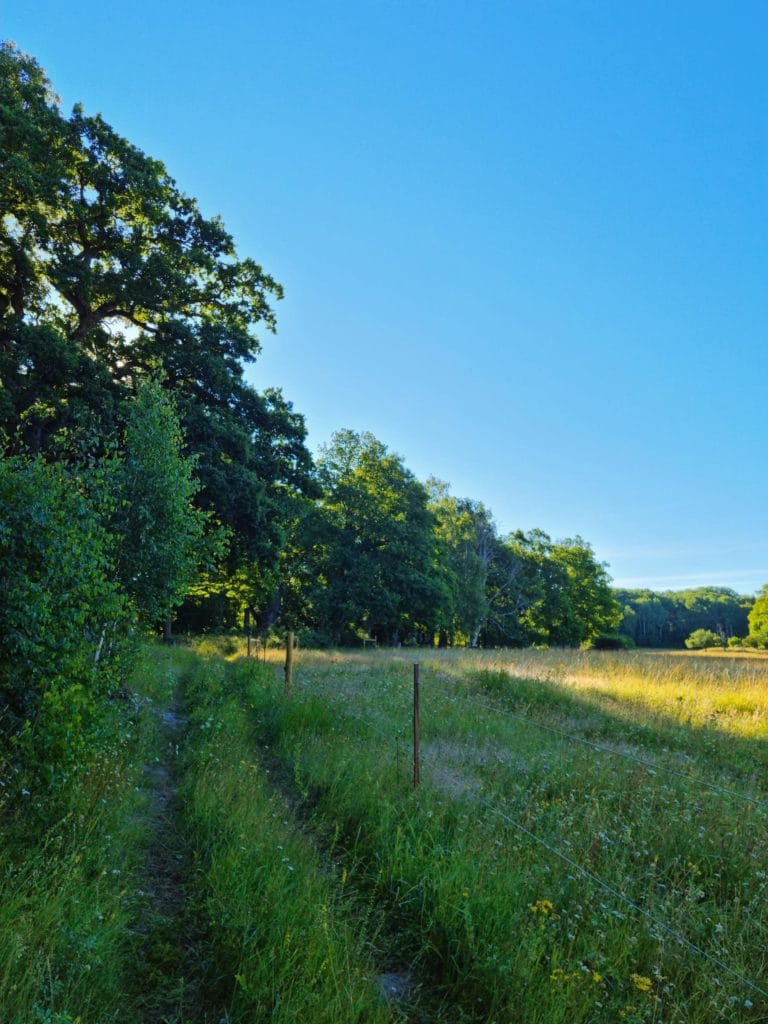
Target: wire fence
[584,872]
[657,922]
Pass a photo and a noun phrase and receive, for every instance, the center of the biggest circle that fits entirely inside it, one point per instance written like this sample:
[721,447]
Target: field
[588,844]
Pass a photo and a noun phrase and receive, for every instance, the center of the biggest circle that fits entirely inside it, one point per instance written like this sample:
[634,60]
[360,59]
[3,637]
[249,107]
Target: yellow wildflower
[560,975]
[543,907]
[641,983]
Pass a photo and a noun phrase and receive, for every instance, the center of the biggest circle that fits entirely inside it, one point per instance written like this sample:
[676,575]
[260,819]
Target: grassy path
[240,919]
[170,986]
[176,886]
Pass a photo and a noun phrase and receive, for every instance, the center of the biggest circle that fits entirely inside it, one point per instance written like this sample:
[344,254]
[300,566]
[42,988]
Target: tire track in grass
[398,983]
[416,995]
[283,932]
[171,982]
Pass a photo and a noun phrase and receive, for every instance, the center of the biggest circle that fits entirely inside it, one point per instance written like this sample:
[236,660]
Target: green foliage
[108,273]
[542,592]
[701,638]
[665,619]
[158,532]
[611,642]
[61,618]
[465,535]
[373,549]
[758,620]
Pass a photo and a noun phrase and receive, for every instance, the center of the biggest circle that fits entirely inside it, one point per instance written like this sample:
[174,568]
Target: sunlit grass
[314,866]
[501,925]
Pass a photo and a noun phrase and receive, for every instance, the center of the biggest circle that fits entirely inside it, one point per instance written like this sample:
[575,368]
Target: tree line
[142,477]
[702,617]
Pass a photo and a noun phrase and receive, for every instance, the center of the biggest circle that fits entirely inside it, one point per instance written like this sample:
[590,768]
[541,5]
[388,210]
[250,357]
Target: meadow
[588,844]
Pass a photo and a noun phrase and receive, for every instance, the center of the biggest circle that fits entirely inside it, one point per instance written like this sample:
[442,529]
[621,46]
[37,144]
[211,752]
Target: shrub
[612,642]
[60,617]
[758,619]
[159,532]
[701,638]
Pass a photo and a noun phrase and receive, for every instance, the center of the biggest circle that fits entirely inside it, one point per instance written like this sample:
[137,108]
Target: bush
[701,638]
[60,618]
[612,642]
[313,639]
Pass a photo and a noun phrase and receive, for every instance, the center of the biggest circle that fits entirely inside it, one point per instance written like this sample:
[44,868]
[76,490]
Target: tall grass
[504,928]
[68,884]
[309,868]
[286,940]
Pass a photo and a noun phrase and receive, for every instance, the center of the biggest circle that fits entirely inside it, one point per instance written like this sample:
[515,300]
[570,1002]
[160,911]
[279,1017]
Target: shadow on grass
[708,751]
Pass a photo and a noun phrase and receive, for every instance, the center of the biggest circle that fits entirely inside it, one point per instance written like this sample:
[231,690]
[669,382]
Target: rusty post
[416,728]
[248,628]
[289,662]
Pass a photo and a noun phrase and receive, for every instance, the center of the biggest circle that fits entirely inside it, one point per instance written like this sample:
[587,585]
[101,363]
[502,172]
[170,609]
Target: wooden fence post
[248,628]
[289,662]
[416,728]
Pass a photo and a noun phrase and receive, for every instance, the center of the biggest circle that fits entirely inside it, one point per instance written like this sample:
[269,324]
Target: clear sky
[524,244]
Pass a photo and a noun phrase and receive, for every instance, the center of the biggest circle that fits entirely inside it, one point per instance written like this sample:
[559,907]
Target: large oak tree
[109,273]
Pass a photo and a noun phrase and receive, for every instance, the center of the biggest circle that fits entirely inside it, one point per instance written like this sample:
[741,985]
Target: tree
[548,593]
[158,534]
[701,638]
[516,588]
[465,533]
[375,558]
[758,619]
[583,605]
[647,617]
[666,619]
[109,273]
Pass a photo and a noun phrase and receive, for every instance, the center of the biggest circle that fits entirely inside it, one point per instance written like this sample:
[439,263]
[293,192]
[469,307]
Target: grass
[498,924]
[286,941]
[265,857]
[68,885]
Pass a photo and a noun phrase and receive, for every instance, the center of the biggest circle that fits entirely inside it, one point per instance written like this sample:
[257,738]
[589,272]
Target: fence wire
[574,865]
[620,896]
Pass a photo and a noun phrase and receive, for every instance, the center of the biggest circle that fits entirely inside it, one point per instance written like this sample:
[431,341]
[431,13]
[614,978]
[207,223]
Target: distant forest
[668,619]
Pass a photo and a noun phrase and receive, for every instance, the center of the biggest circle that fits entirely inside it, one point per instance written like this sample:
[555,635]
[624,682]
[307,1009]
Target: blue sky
[522,243]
